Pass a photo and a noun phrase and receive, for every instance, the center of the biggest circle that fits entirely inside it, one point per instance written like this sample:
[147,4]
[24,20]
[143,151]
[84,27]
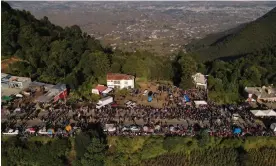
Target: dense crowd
[140,120]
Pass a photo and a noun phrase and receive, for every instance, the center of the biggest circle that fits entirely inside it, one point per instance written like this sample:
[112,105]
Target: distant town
[158,27]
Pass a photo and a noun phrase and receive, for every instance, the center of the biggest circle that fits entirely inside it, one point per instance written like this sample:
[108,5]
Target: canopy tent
[19,95]
[263,112]
[200,102]
[273,127]
[6,98]
[149,98]
[157,127]
[68,128]
[237,130]
[186,98]
[50,131]
[110,127]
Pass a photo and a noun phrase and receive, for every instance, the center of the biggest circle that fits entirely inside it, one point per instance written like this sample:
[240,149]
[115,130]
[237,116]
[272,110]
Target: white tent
[110,127]
[270,113]
[107,90]
[273,127]
[263,112]
[200,102]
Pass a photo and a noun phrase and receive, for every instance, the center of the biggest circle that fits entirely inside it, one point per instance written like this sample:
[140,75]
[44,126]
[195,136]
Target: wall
[122,84]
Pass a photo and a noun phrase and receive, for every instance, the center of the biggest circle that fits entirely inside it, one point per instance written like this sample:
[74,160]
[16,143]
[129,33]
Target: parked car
[30,130]
[135,128]
[145,92]
[11,132]
[114,104]
[125,128]
[128,103]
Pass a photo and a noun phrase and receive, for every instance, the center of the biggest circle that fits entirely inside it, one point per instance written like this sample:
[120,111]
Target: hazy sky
[140,0]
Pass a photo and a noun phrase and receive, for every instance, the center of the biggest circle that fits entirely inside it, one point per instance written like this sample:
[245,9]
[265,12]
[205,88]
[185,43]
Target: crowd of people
[176,117]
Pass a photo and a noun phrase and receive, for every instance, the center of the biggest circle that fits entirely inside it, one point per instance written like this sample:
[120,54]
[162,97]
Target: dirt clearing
[5,63]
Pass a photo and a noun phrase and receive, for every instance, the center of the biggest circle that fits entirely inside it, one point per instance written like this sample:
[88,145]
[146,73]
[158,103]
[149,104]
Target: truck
[104,101]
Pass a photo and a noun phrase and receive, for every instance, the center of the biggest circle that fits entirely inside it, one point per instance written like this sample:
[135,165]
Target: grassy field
[142,99]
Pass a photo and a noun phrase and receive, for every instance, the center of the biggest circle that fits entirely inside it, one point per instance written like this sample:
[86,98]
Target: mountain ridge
[244,39]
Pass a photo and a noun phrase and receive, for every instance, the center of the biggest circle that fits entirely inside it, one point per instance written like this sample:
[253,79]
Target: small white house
[200,80]
[99,89]
[119,81]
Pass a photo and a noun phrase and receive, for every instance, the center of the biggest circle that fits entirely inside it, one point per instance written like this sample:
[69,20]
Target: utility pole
[206,87]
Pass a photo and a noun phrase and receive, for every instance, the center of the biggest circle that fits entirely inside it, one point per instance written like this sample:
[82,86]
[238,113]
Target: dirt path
[5,63]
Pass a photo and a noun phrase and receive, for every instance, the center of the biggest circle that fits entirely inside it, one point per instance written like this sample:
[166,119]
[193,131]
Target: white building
[120,81]
[200,80]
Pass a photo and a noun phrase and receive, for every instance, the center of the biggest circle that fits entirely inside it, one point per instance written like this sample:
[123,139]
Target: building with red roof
[99,89]
[120,81]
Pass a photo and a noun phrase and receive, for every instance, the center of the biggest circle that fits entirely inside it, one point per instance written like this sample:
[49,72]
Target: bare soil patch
[5,63]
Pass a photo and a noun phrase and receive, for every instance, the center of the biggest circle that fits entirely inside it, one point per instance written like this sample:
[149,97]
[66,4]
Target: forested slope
[54,54]
[239,41]
[88,149]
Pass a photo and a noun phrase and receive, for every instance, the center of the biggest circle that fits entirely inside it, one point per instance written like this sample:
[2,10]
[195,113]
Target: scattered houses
[13,85]
[264,94]
[120,81]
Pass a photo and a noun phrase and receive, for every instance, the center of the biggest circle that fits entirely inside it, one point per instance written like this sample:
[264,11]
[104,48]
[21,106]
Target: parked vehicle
[128,103]
[114,104]
[30,130]
[145,92]
[104,101]
[125,128]
[135,128]
[11,132]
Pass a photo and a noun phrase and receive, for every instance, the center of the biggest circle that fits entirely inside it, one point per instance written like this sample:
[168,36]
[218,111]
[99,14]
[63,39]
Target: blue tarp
[237,131]
[186,98]
[149,98]
[50,131]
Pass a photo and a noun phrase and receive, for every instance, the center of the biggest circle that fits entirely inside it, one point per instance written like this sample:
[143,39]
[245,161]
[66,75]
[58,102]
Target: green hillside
[247,38]
[50,53]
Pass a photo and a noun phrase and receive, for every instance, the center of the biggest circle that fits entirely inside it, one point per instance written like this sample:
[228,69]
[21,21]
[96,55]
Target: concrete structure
[14,81]
[120,81]
[200,80]
[12,85]
[263,94]
[99,89]
[53,94]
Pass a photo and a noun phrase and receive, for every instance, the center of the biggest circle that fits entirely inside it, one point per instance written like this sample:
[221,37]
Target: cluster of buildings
[42,92]
[14,85]
[261,94]
[115,80]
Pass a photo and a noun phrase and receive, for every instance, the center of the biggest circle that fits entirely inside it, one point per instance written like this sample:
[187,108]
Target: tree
[188,68]
[95,154]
